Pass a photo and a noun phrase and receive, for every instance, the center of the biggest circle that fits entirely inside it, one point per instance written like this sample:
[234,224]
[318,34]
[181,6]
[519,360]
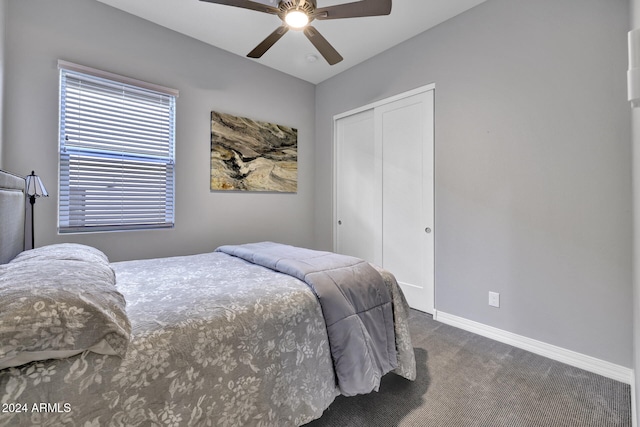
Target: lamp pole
[32,200]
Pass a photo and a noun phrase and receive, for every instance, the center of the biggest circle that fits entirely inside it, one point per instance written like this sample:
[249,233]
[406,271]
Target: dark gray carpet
[468,380]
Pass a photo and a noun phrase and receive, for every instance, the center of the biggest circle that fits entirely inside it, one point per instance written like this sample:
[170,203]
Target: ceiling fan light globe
[296,19]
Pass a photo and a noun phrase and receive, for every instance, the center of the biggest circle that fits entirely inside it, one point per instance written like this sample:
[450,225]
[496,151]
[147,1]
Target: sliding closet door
[384,190]
[405,128]
[358,188]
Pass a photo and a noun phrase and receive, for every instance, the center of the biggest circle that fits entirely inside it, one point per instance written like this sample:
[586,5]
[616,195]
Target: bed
[247,335]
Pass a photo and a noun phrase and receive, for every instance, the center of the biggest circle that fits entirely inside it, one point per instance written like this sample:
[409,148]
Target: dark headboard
[12,215]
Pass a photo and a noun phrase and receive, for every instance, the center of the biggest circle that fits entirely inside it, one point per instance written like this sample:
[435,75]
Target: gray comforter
[215,341]
[355,302]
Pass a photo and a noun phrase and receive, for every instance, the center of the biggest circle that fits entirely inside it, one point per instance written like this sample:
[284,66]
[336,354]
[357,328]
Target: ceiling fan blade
[268,42]
[330,54]
[247,4]
[354,10]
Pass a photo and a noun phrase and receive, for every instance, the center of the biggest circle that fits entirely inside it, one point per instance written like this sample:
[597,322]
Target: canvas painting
[250,155]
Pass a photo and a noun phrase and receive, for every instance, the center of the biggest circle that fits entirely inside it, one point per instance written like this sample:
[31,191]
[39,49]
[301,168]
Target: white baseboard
[578,360]
[634,409]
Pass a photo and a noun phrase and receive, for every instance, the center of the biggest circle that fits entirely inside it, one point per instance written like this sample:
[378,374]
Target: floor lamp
[35,188]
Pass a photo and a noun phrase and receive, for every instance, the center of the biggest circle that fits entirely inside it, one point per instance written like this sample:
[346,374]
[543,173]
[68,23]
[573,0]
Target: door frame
[370,106]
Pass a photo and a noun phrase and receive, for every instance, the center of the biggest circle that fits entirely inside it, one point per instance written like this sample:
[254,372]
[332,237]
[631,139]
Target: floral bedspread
[215,341]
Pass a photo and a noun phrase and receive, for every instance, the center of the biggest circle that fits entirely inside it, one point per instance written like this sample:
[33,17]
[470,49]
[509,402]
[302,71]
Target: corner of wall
[3,6]
[635,135]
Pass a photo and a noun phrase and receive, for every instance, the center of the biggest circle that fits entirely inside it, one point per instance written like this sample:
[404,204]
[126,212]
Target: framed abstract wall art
[250,155]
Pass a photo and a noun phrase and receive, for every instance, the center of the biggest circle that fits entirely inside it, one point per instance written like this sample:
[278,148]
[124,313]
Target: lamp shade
[35,187]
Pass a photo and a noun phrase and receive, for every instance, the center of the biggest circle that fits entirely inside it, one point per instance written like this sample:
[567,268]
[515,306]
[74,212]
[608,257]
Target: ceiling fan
[298,14]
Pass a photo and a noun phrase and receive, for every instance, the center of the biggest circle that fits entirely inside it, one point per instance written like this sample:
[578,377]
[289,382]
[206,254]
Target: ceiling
[239,30]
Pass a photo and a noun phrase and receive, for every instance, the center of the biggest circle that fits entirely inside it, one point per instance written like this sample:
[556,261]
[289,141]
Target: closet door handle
[339,222]
[427,230]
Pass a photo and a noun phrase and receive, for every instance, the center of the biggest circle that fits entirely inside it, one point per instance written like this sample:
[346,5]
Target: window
[116,152]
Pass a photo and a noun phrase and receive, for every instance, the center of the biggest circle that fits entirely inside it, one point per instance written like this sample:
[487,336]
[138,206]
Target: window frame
[95,160]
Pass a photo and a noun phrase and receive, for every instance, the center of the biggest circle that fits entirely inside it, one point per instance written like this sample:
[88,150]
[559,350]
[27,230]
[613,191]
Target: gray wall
[635,23]
[533,168]
[2,67]
[39,32]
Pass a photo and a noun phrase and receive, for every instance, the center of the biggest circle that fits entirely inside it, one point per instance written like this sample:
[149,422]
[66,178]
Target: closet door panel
[359,197]
[407,192]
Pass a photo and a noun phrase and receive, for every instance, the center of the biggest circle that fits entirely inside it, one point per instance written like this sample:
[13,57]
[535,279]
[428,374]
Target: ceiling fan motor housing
[288,5]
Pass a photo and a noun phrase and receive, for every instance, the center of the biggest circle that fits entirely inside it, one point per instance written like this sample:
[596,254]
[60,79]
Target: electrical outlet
[494,299]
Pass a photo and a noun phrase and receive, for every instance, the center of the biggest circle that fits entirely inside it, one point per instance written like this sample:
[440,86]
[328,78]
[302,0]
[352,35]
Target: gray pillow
[62,251]
[55,305]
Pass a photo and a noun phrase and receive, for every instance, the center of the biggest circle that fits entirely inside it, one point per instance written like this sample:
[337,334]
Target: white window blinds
[116,152]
